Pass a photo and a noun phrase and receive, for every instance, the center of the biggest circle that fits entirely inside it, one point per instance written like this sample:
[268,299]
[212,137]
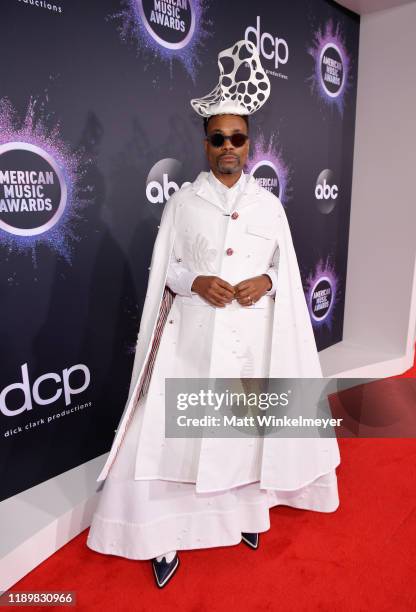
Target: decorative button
[170,320]
[234,215]
[178,259]
[229,251]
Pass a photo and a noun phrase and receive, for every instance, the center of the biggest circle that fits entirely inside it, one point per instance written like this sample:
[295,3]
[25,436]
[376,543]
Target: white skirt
[142,519]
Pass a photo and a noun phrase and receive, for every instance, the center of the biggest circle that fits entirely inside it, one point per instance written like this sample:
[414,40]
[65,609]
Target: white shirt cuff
[271,273]
[179,279]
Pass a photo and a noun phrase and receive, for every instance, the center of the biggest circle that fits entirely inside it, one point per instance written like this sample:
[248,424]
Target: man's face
[226,159]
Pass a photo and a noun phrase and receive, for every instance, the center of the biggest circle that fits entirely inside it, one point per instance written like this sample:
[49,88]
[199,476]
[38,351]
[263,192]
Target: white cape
[286,463]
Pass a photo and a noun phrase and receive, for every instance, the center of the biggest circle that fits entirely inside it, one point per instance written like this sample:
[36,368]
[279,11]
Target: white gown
[140,515]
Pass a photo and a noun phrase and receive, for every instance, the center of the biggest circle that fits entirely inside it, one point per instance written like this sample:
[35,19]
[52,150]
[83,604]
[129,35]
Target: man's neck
[227,179]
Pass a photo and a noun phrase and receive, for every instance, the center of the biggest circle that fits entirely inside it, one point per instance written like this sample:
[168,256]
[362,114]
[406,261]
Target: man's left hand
[251,290]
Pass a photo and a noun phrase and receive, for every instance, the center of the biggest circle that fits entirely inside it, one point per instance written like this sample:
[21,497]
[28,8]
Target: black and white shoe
[251,539]
[163,570]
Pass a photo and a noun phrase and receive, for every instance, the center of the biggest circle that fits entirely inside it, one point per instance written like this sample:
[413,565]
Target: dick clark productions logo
[171,24]
[33,191]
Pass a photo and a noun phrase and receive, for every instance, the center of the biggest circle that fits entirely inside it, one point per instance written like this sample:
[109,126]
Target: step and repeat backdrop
[96,133]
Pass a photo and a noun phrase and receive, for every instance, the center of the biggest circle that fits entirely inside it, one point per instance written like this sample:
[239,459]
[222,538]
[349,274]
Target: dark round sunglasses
[237,140]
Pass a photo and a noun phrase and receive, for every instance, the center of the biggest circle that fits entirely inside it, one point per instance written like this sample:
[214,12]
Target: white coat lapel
[205,190]
[249,195]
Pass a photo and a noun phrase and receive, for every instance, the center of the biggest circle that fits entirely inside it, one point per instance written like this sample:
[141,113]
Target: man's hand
[213,289]
[252,289]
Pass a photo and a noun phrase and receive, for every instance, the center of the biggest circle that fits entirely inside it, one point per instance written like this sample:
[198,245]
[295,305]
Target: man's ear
[206,146]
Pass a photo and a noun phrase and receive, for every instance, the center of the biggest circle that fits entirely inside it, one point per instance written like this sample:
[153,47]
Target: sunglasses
[237,140]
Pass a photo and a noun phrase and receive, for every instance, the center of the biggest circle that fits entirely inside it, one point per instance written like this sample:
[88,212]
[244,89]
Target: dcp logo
[165,177]
[46,389]
[269,46]
[326,191]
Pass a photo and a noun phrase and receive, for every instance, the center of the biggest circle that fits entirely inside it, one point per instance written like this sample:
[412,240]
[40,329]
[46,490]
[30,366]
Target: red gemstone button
[234,215]
[229,251]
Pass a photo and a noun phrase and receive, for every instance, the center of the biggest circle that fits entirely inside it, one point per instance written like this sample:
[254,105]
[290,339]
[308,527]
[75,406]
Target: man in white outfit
[224,255]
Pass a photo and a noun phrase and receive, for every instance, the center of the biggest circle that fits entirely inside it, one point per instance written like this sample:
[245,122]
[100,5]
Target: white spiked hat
[243,86]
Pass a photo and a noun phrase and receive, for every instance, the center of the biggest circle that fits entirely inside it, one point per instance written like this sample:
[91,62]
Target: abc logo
[164,179]
[326,191]
[62,384]
[267,46]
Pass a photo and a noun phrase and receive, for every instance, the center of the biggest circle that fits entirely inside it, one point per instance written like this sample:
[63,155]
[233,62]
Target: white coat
[194,225]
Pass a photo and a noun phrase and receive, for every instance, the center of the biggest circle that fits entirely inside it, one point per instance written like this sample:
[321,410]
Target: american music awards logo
[331,77]
[172,25]
[266,164]
[168,30]
[33,191]
[40,197]
[322,294]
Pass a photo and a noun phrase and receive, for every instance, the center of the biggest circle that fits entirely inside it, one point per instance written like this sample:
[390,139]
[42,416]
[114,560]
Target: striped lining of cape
[165,306]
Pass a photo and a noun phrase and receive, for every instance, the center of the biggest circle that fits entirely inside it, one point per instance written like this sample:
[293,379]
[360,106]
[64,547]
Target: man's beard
[227,169]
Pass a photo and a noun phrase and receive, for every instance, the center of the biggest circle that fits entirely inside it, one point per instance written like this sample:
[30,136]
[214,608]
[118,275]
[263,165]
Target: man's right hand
[213,289]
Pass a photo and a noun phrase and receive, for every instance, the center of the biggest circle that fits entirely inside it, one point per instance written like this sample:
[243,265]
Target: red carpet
[361,557]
